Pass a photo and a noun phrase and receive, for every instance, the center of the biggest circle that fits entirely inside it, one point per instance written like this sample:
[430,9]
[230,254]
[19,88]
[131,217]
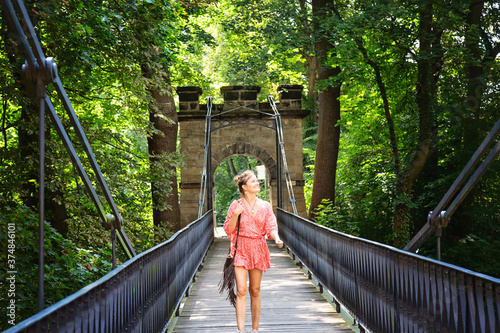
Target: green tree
[99,52]
[328,85]
[389,152]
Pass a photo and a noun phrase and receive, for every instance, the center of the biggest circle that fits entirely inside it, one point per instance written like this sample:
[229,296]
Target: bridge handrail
[141,295]
[391,290]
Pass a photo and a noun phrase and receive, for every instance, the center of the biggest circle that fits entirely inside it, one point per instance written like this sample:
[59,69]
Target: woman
[252,256]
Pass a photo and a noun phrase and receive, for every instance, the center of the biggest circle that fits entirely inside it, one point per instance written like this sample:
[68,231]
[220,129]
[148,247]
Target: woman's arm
[274,235]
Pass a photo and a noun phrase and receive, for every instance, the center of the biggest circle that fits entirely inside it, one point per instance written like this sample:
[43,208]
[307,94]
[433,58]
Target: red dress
[252,252]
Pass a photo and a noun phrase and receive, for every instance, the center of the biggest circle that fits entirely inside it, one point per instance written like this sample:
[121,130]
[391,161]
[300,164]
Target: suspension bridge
[325,281]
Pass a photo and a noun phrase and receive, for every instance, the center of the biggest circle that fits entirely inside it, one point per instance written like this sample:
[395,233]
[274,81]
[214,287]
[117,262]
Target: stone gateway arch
[240,126]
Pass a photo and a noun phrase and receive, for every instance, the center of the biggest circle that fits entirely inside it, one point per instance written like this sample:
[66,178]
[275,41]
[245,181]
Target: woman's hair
[242,178]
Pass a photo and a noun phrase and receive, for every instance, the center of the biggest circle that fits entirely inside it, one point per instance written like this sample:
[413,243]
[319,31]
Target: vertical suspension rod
[279,131]
[203,188]
[41,213]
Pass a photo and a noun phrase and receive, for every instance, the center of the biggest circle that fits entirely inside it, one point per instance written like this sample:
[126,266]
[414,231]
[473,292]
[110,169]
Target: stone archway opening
[225,190]
[240,126]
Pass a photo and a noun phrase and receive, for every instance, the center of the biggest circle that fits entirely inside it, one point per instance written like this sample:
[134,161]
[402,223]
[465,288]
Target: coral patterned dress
[252,252]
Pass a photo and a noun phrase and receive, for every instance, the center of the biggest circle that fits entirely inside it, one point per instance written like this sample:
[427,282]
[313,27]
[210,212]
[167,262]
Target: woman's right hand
[237,211]
[239,208]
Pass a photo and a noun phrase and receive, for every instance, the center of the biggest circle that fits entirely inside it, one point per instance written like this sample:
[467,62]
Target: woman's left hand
[279,242]
[277,239]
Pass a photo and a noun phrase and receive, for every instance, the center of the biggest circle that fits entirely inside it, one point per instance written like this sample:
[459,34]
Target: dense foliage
[70,268]
[99,49]
[419,91]
[377,47]
[386,123]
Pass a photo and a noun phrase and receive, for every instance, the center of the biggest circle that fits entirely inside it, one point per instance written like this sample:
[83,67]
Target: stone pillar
[239,96]
[290,97]
[189,98]
[290,102]
[292,134]
[192,141]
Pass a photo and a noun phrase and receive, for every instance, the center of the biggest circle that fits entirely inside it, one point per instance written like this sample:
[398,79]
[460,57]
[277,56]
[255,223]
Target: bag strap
[237,235]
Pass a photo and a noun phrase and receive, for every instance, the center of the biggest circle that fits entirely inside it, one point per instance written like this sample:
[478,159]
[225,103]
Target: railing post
[391,290]
[337,307]
[41,194]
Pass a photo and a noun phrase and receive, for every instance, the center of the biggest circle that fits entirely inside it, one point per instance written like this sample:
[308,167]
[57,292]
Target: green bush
[67,267]
[331,217]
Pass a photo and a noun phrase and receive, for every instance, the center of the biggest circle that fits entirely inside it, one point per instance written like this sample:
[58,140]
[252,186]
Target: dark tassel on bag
[228,281]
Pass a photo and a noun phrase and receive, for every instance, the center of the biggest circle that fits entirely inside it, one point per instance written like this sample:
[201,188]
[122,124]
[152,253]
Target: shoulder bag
[228,280]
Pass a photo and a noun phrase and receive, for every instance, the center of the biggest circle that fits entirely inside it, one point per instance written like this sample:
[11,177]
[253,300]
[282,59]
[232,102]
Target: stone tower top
[289,103]
[250,130]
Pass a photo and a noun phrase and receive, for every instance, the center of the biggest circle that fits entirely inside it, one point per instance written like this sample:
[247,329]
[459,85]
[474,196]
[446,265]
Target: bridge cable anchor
[36,79]
[440,222]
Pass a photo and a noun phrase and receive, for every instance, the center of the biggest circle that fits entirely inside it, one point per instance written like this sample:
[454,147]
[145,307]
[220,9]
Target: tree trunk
[311,63]
[27,146]
[329,114]
[475,83]
[162,142]
[56,210]
[428,65]
[231,167]
[311,79]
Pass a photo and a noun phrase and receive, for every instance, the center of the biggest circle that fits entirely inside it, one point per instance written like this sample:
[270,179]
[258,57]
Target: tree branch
[383,93]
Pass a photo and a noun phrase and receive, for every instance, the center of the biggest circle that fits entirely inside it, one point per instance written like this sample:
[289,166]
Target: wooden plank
[290,302]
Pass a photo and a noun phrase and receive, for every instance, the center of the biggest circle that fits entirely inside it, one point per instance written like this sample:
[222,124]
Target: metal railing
[390,290]
[141,295]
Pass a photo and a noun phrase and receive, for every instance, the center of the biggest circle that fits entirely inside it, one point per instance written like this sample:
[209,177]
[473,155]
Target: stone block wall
[240,133]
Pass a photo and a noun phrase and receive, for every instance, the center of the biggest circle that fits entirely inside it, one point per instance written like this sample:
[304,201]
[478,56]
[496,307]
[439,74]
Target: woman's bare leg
[255,304]
[241,296]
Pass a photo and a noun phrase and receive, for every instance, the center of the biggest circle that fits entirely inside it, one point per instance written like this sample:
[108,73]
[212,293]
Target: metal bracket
[221,123]
[112,222]
[36,79]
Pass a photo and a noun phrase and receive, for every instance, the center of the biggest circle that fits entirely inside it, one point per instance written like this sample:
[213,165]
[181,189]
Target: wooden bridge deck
[290,302]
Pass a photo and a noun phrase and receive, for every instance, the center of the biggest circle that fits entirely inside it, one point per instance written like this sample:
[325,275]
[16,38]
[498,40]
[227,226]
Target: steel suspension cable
[203,189]
[43,71]
[279,130]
